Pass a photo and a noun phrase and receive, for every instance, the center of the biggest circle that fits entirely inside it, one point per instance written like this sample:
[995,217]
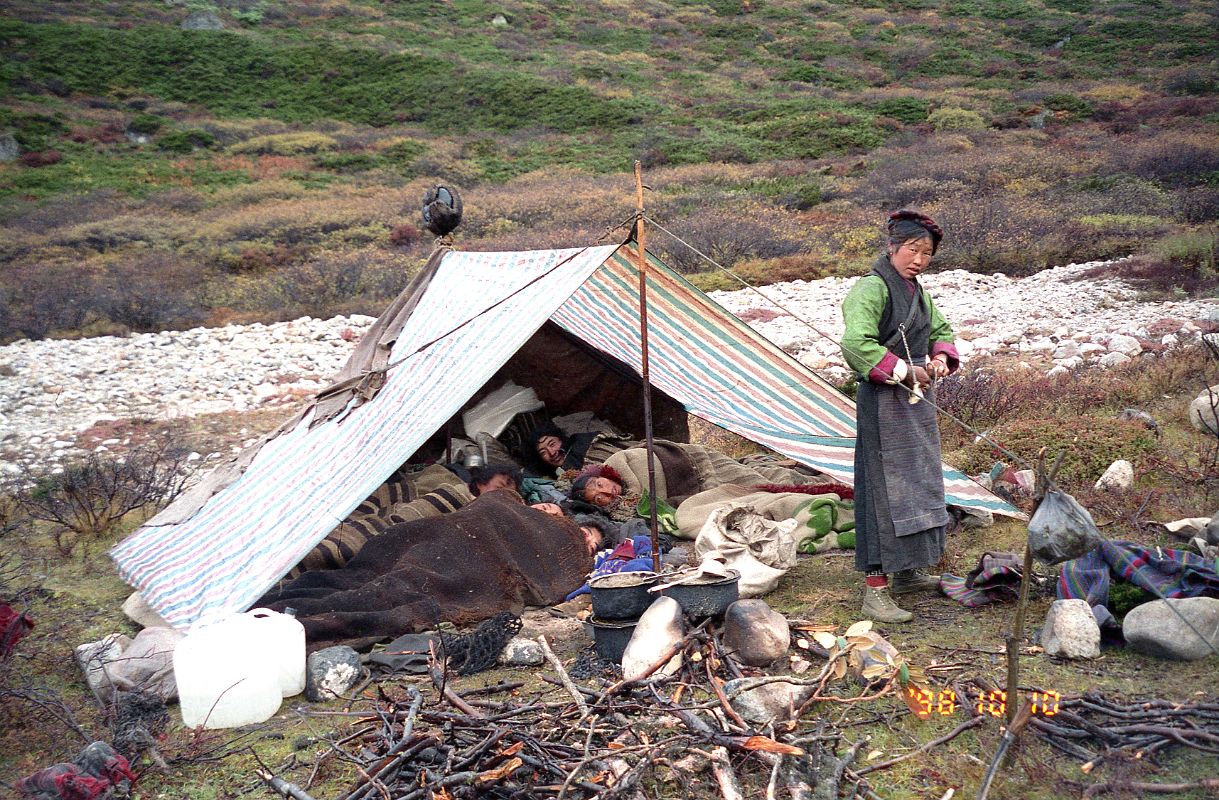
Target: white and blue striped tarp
[478,310]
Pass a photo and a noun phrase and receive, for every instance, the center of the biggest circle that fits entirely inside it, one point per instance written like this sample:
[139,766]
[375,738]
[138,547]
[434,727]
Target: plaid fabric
[1163,572]
[996,579]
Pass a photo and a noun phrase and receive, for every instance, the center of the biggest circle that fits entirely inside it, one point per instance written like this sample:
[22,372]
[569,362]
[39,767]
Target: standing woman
[898,343]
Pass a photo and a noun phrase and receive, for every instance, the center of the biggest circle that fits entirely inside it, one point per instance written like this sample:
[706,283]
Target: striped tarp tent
[220,552]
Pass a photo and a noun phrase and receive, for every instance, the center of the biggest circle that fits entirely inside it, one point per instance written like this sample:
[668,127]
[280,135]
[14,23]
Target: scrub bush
[186,141]
[91,496]
[956,119]
[286,144]
[1091,445]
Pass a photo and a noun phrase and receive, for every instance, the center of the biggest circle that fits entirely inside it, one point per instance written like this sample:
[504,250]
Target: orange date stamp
[926,703]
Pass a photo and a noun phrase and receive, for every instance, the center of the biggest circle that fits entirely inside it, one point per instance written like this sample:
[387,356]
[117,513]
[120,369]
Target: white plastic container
[282,638]
[224,675]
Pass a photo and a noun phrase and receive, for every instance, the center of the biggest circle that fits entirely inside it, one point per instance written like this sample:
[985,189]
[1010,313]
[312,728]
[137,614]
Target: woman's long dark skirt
[900,515]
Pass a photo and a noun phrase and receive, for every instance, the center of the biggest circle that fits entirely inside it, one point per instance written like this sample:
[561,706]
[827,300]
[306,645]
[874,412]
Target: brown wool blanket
[495,554]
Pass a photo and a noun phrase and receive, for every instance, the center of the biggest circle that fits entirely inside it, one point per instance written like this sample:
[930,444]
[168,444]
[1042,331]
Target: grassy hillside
[172,177]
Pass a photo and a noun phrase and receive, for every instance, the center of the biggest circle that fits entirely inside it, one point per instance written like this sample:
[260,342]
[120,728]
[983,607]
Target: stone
[1155,630]
[761,702]
[331,672]
[1067,349]
[1119,477]
[1070,630]
[1135,415]
[1113,359]
[138,611]
[754,633]
[658,629]
[499,21]
[1211,533]
[94,657]
[9,148]
[1058,371]
[1203,411]
[202,21]
[521,652]
[1126,345]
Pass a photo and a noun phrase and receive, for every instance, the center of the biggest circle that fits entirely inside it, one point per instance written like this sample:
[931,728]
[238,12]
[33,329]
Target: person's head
[494,476]
[599,485]
[599,532]
[546,444]
[913,240]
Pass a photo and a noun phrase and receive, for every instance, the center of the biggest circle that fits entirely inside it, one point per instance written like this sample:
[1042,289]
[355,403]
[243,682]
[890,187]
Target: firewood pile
[625,737]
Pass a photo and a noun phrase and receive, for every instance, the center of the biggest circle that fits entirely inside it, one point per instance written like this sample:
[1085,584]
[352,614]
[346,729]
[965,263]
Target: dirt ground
[47,714]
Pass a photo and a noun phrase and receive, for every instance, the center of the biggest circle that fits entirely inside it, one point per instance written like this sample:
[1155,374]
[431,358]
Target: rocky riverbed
[58,398]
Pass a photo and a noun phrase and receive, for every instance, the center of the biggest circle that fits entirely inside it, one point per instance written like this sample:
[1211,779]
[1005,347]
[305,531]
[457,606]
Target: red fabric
[883,370]
[949,349]
[601,471]
[843,491]
[97,769]
[877,581]
[13,627]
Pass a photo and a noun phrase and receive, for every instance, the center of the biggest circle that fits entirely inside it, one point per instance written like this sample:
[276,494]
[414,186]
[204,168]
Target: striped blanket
[1161,571]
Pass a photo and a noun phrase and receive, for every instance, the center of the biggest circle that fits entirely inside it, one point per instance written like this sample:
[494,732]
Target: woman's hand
[921,376]
[937,368]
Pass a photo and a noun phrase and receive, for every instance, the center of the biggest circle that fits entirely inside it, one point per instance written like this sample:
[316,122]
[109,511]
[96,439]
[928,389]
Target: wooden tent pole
[643,359]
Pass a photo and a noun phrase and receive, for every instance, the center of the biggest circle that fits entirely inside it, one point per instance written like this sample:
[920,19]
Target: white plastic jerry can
[283,639]
[224,676]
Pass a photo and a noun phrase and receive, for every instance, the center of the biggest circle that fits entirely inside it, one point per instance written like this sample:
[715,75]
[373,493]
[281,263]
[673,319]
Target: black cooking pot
[611,636]
[706,598]
[622,595]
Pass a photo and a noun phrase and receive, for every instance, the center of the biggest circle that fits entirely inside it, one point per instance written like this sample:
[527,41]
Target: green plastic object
[666,515]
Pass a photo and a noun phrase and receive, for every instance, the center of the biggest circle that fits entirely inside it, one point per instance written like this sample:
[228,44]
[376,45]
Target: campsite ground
[46,715]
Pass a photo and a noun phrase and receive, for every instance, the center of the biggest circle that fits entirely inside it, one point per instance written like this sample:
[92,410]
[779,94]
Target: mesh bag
[479,650]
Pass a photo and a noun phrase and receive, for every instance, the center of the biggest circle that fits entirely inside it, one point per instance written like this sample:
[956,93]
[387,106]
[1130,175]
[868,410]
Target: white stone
[521,652]
[1153,628]
[1204,411]
[1127,345]
[1113,359]
[1067,349]
[1070,630]
[1058,370]
[658,629]
[1119,477]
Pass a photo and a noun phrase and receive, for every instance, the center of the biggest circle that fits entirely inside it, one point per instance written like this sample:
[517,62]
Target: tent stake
[643,358]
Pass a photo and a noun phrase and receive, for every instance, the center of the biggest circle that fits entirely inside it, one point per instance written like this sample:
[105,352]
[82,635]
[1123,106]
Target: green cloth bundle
[824,519]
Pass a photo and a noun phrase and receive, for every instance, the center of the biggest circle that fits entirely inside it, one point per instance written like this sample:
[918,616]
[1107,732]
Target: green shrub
[33,131]
[1070,105]
[346,162]
[956,119]
[286,144]
[186,141]
[910,110]
[147,124]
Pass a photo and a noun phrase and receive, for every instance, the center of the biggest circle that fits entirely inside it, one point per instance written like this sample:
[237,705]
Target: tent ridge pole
[643,361]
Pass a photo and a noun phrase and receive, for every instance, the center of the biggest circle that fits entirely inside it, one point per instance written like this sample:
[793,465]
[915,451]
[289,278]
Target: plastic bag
[1061,529]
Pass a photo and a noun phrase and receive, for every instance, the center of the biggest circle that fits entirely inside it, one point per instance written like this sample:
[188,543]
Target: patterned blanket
[1161,571]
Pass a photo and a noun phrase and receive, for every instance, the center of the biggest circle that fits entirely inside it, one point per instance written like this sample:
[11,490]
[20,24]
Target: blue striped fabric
[479,309]
[728,374]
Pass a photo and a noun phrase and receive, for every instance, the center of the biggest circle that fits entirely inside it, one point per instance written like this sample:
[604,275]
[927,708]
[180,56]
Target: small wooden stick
[563,676]
[721,768]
